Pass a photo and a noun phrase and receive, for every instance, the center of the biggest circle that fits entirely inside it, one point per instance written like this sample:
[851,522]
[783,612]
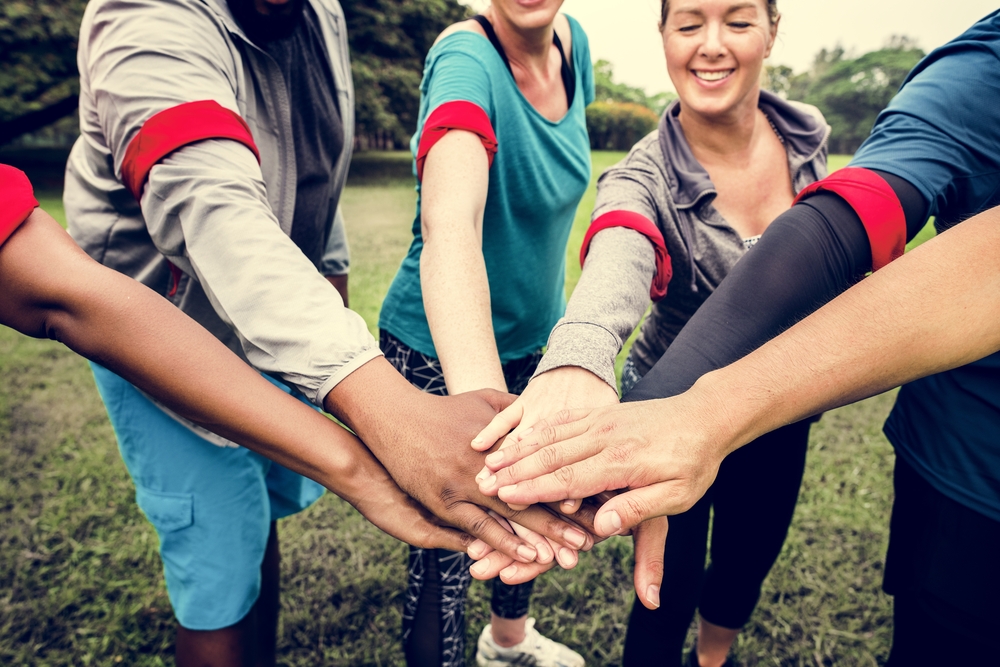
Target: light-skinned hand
[545,396]
[665,453]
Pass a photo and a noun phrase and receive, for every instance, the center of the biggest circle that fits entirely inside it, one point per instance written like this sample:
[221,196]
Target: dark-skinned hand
[423,442]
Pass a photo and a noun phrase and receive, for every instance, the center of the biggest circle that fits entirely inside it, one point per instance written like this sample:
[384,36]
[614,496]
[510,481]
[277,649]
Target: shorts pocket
[166,511]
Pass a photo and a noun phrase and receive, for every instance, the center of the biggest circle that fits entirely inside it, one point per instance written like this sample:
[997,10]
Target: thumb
[627,510]
[498,400]
[506,419]
[650,538]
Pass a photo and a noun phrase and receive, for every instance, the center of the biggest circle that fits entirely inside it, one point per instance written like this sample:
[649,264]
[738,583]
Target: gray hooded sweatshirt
[662,181]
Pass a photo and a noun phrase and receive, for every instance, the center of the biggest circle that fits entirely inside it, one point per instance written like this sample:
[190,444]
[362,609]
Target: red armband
[645,226]
[175,128]
[876,204]
[457,115]
[17,200]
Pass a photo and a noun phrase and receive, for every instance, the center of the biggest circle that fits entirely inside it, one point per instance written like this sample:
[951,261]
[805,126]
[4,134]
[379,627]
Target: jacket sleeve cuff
[585,345]
[354,364]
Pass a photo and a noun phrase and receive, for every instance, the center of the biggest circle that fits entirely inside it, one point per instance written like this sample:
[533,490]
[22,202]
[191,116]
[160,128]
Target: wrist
[573,377]
[725,414]
[371,398]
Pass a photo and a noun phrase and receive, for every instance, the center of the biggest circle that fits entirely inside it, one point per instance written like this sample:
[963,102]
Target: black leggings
[752,502]
[438,583]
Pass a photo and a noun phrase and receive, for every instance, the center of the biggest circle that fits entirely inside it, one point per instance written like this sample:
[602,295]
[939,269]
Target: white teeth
[712,76]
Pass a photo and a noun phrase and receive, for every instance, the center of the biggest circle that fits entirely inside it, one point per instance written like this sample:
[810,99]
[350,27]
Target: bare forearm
[453,276]
[51,289]
[457,302]
[933,309]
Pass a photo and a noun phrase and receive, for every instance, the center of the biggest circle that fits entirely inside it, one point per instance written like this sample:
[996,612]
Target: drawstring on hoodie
[685,222]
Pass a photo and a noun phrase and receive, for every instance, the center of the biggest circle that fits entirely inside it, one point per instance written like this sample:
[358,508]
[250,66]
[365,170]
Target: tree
[849,91]
[607,90]
[389,41]
[38,76]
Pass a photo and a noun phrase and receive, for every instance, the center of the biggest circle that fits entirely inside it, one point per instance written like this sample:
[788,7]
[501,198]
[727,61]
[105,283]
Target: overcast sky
[624,31]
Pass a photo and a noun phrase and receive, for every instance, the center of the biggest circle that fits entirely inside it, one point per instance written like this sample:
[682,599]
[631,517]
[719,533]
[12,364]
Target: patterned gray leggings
[434,607]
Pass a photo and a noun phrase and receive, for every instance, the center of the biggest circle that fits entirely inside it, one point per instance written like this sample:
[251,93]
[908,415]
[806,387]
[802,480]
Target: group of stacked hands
[478,471]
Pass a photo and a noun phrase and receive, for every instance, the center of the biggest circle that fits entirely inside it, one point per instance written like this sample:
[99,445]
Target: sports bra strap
[568,78]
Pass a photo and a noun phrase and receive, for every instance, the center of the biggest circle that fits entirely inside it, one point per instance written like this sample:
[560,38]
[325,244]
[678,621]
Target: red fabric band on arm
[876,204]
[175,128]
[645,226]
[17,200]
[457,115]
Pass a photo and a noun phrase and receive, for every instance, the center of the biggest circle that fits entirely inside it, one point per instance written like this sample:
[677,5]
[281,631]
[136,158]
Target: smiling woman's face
[715,50]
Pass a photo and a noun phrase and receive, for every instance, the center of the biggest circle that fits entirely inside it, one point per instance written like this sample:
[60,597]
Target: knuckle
[633,508]
[450,498]
[565,476]
[619,456]
[564,416]
[548,435]
[549,458]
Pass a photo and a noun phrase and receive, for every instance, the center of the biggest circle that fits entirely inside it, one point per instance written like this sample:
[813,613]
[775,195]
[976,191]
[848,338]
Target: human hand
[422,440]
[372,491]
[491,563]
[648,537]
[666,453]
[545,396]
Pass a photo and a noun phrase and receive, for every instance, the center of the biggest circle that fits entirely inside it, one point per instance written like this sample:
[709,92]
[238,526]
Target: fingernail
[525,433]
[545,554]
[505,492]
[489,482]
[480,568]
[526,553]
[575,537]
[483,474]
[609,523]
[476,549]
[477,441]
[653,595]
[567,558]
[494,458]
[508,571]
[568,505]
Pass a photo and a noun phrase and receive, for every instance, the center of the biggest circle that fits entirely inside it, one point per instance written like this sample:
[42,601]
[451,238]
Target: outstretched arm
[932,310]
[50,288]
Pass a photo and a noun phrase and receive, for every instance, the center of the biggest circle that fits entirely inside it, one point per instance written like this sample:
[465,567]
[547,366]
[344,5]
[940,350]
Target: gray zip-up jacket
[662,181]
[209,208]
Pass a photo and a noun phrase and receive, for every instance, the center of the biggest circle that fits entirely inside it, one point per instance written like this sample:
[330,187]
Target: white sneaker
[534,651]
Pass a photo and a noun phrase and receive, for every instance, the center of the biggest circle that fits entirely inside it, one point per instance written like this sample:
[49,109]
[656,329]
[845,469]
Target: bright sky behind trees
[624,31]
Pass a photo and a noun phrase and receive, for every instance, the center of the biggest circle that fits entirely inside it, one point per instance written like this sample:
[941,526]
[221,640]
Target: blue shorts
[211,506]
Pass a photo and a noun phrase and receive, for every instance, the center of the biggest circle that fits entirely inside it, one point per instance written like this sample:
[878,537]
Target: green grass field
[80,580]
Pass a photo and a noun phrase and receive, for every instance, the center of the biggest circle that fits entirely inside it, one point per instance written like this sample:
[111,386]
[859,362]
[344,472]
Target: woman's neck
[720,139]
[529,49]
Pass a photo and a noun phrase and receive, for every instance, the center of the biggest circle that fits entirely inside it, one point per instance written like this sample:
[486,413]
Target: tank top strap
[566,71]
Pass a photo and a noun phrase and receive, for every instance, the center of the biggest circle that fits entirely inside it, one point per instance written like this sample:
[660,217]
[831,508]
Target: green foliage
[389,40]
[37,53]
[618,125]
[607,90]
[849,91]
